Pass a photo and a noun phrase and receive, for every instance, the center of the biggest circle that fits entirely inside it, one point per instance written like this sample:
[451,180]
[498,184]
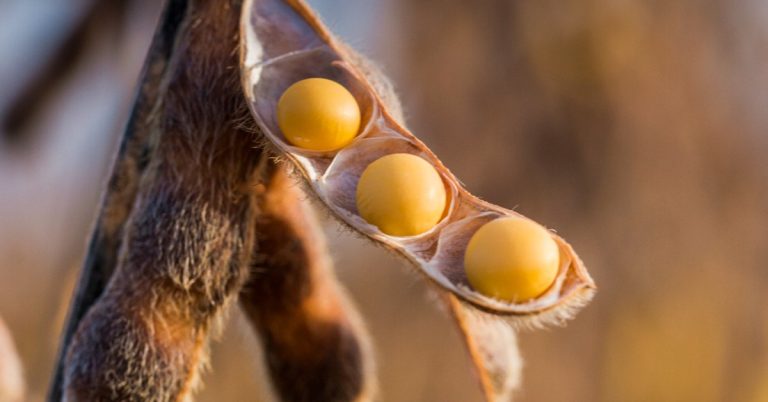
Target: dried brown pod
[194,217]
[282,42]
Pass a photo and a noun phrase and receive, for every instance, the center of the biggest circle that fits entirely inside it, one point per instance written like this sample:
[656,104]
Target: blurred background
[636,128]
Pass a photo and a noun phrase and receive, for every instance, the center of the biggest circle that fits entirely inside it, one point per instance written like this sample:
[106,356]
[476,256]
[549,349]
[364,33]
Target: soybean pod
[355,175]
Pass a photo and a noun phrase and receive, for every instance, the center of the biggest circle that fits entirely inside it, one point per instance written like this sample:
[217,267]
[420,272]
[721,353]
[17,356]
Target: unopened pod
[283,43]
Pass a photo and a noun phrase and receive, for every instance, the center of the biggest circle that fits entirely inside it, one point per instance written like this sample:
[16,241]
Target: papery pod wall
[283,42]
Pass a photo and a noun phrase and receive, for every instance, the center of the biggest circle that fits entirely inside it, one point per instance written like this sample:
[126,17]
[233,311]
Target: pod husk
[283,41]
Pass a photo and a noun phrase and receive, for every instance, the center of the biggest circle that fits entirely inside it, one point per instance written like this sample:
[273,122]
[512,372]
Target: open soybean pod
[283,42]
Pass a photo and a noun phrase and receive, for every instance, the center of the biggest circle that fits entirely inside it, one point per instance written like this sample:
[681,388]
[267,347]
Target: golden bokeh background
[637,129]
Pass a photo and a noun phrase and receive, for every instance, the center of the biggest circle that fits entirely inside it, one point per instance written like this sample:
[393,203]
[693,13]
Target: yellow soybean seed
[318,114]
[402,194]
[512,258]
